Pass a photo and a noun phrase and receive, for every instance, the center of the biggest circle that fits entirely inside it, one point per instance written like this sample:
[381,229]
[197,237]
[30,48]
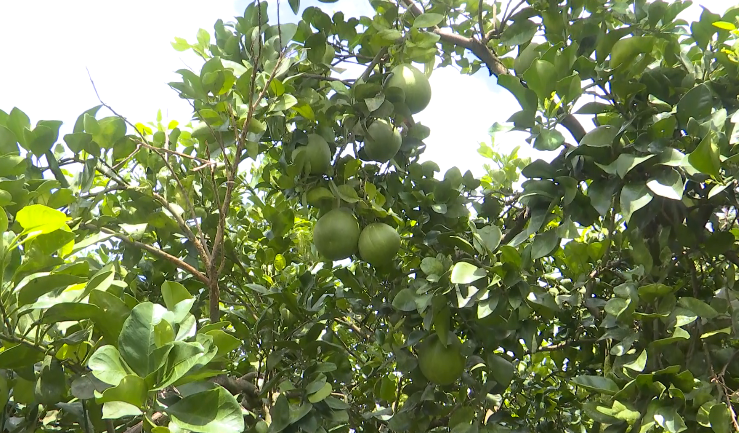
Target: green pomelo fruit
[317,154]
[440,365]
[378,244]
[336,234]
[261,427]
[414,84]
[382,141]
[319,195]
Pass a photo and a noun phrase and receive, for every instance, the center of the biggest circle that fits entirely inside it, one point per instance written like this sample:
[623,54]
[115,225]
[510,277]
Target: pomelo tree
[289,262]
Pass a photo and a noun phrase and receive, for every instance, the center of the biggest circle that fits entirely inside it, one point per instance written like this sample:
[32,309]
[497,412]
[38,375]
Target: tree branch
[493,63]
[153,250]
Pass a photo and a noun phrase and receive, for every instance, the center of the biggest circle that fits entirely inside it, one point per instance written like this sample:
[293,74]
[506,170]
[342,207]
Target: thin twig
[716,379]
[174,152]
[480,49]
[347,81]
[155,251]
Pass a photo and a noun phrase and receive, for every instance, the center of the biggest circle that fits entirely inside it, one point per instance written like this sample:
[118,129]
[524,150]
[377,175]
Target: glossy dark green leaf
[696,103]
[106,365]
[634,196]
[549,139]
[705,158]
[669,184]
[20,355]
[131,389]
[427,20]
[601,136]
[541,77]
[597,384]
[71,311]
[405,300]
[137,340]
[544,244]
[625,50]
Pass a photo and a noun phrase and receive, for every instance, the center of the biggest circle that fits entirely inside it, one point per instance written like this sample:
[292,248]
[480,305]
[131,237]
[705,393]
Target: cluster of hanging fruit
[337,236]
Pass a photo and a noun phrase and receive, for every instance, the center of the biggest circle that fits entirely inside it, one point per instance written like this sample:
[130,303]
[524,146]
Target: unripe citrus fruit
[378,243]
[440,365]
[382,141]
[336,234]
[319,195]
[261,427]
[414,84]
[317,154]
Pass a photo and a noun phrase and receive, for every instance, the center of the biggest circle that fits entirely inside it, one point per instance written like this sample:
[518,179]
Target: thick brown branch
[153,250]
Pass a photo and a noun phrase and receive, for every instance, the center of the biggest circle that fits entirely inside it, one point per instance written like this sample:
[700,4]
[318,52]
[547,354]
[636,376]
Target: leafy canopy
[164,276]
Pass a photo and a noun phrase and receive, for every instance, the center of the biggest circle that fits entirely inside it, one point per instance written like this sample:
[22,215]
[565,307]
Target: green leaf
[119,409]
[109,131]
[705,157]
[634,196]
[518,33]
[184,357]
[405,300]
[8,142]
[321,394]
[224,342]
[20,355]
[696,103]
[501,369]
[427,20]
[38,286]
[37,219]
[465,273]
[541,77]
[526,97]
[549,139]
[78,142]
[625,50]
[669,184]
[651,292]
[106,365]
[131,389]
[71,311]
[639,363]
[698,307]
[490,237]
[597,383]
[173,293]
[294,5]
[720,417]
[42,138]
[280,414]
[213,411]
[432,266]
[17,123]
[601,136]
[667,417]
[137,340]
[180,44]
[3,224]
[544,244]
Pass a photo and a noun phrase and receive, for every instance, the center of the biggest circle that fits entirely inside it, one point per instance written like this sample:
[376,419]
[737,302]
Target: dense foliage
[165,277]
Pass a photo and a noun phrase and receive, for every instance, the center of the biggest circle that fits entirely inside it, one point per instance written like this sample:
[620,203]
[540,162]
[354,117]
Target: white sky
[48,44]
